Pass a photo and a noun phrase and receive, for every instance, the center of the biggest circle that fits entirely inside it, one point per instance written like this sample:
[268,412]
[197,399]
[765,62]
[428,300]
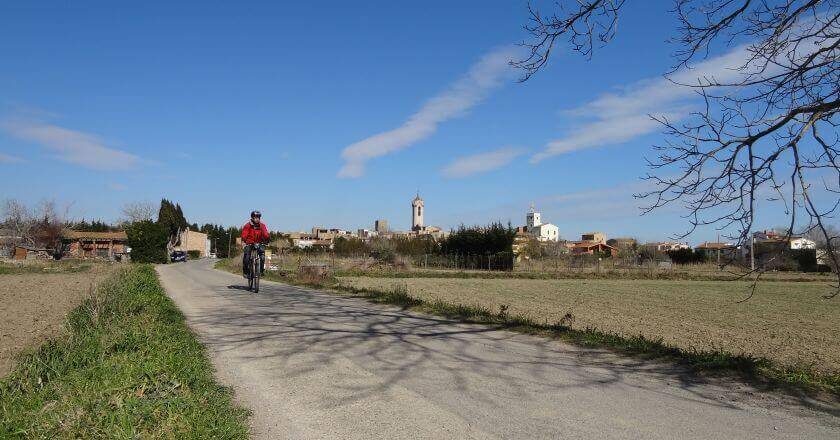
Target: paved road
[316,365]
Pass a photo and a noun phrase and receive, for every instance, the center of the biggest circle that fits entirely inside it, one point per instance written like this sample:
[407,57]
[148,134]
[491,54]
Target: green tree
[147,240]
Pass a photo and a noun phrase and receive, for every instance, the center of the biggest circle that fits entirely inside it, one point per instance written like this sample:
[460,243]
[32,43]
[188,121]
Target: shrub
[194,254]
[686,256]
[478,240]
[147,240]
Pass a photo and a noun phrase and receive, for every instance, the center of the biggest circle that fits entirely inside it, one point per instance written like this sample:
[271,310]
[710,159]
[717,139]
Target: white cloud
[70,146]
[6,158]
[614,118]
[488,73]
[480,163]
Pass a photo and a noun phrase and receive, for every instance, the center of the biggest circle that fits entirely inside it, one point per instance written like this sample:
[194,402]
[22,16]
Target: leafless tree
[139,211]
[771,133]
[18,218]
[41,227]
[819,238]
[48,227]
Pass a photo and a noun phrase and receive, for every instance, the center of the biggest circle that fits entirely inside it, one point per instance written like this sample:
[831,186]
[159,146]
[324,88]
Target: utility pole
[229,237]
[752,251]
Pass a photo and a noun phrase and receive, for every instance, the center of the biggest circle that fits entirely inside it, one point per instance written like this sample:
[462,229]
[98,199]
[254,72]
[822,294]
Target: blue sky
[331,114]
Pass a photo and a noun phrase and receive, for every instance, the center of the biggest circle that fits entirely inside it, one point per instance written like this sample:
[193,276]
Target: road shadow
[301,330]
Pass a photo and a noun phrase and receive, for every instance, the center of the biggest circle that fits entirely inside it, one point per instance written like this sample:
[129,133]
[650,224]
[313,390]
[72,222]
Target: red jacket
[253,235]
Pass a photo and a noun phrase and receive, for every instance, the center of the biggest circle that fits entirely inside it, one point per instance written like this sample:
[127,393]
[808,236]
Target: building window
[419,211]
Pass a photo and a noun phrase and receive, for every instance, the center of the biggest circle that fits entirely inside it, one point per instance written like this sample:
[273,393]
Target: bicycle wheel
[256,271]
[251,277]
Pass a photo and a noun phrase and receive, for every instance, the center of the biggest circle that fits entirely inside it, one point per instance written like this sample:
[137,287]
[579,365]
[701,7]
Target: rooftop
[82,235]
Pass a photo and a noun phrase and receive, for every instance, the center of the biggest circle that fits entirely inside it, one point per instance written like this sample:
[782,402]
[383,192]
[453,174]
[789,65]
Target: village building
[665,246]
[98,245]
[535,228]
[622,242]
[194,241]
[302,240]
[717,250]
[329,233]
[417,206]
[793,242]
[595,237]
[418,223]
[366,234]
[591,248]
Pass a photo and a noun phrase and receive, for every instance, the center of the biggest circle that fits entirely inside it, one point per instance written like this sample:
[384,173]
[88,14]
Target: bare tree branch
[769,133]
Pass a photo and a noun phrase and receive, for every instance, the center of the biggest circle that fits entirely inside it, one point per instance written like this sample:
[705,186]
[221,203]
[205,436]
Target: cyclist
[253,233]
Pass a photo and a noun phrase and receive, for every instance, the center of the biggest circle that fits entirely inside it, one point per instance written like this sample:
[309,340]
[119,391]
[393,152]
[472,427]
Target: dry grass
[787,323]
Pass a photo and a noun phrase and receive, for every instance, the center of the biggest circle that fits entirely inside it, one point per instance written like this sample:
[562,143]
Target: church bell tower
[417,213]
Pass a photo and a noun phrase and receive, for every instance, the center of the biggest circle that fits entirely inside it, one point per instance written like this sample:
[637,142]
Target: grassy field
[126,367]
[787,323]
[66,266]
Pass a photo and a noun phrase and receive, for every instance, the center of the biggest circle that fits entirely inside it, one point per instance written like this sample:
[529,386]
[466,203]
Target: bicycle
[254,266]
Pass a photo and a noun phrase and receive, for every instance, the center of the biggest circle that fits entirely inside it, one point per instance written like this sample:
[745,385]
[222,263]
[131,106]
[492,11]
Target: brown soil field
[788,323]
[33,307]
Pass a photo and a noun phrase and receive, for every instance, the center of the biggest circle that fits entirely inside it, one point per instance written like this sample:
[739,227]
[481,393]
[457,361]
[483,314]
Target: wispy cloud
[6,158]
[481,163]
[614,118]
[70,146]
[488,73]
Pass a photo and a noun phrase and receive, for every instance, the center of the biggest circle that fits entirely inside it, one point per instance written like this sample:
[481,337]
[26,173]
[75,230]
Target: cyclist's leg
[262,262]
[246,261]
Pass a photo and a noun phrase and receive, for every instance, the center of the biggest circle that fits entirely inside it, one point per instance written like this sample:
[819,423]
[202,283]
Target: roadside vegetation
[126,367]
[553,313]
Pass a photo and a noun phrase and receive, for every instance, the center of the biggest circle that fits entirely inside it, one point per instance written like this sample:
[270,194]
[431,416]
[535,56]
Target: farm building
[194,241]
[103,245]
[31,253]
[591,248]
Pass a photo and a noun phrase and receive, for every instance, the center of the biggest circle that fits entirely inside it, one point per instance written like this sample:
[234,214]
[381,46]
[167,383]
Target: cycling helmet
[256,214]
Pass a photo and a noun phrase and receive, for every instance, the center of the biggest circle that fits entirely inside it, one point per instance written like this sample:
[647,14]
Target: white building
[539,230]
[802,243]
[417,213]
[794,242]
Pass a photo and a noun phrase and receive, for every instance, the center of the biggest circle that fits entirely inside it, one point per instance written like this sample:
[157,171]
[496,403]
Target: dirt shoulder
[33,307]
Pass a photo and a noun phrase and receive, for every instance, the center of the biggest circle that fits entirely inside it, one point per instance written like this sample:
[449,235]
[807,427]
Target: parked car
[212,255]
[179,256]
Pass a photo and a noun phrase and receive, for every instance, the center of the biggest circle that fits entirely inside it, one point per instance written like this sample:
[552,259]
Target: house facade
[591,248]
[194,241]
[97,245]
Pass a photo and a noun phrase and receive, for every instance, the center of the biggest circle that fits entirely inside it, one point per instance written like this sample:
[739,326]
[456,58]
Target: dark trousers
[246,259]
